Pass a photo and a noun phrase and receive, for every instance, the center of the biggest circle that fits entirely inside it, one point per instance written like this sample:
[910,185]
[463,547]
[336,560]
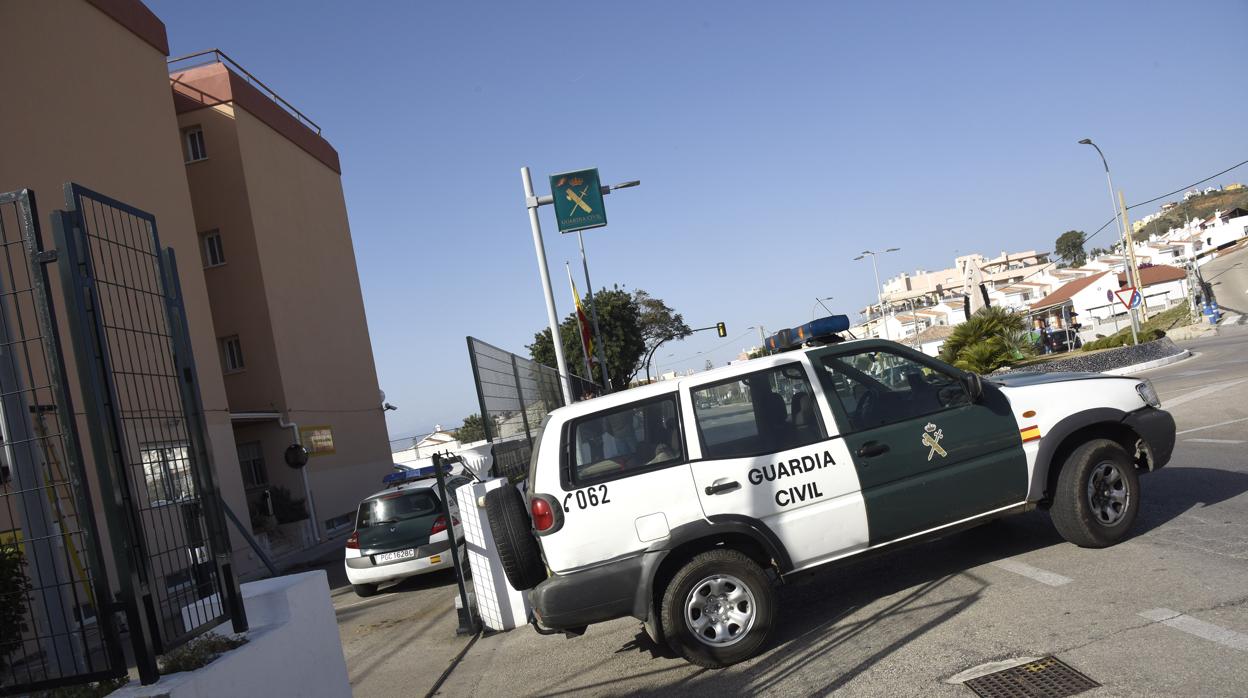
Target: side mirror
[974,386]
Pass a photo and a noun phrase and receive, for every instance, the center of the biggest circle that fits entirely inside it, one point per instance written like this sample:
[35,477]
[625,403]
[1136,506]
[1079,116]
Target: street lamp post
[819,301]
[879,290]
[532,202]
[1128,249]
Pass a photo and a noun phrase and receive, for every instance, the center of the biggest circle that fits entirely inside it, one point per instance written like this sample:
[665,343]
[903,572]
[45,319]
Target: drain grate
[1047,677]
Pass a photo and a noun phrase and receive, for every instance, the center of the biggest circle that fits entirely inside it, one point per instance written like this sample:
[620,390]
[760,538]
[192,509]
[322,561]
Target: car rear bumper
[378,574]
[1156,428]
[606,592]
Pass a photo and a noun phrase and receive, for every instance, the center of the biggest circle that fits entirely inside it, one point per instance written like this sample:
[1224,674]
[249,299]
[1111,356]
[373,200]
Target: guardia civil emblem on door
[932,435]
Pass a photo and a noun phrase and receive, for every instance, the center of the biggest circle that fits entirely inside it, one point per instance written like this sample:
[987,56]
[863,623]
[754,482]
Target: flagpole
[580,328]
[599,345]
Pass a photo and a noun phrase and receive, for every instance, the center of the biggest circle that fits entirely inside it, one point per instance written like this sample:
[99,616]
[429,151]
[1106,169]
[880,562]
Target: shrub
[993,337]
[14,585]
[198,653]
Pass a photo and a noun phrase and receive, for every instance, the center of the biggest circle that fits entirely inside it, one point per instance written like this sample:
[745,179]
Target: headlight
[1148,394]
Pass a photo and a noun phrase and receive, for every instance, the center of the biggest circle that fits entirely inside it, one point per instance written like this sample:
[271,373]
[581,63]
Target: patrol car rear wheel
[718,609]
[513,536]
[1097,495]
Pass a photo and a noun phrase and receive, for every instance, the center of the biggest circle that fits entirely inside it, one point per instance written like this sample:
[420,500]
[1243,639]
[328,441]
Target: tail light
[543,515]
[353,541]
[439,524]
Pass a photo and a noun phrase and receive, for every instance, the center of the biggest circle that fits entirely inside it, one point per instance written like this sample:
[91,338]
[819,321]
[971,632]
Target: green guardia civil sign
[578,200]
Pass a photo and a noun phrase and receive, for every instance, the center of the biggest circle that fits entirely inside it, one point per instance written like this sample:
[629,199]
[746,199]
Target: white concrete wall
[292,649]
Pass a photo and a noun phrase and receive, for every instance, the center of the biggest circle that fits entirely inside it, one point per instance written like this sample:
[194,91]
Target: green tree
[473,429]
[1069,246]
[14,584]
[993,337]
[619,318]
[659,323]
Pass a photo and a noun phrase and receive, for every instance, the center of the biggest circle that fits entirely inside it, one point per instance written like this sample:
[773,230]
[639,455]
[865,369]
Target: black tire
[1100,516]
[513,536]
[364,590]
[694,576]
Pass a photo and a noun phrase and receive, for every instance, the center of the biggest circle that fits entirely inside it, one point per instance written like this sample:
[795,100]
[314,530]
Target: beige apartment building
[248,194]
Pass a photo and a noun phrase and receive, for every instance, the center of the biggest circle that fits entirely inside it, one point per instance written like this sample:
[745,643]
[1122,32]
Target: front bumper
[1156,429]
[606,592]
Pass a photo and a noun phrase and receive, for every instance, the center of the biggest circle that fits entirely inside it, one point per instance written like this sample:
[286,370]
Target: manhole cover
[1047,677]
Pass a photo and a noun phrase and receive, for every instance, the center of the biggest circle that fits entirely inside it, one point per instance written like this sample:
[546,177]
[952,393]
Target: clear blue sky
[774,141]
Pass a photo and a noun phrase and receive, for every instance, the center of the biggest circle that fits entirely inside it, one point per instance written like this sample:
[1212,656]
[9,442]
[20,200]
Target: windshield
[396,507]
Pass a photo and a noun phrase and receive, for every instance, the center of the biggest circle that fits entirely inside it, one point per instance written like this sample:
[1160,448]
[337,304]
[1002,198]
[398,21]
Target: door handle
[872,449]
[722,487]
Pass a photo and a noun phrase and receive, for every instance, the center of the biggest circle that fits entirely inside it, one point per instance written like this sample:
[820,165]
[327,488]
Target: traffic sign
[578,200]
[1129,297]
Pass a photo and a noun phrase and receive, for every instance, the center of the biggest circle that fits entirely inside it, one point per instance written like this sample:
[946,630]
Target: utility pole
[1134,276]
[1128,248]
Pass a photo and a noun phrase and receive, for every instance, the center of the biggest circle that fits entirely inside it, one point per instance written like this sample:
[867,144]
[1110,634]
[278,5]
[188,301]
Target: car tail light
[543,516]
[439,525]
[353,541]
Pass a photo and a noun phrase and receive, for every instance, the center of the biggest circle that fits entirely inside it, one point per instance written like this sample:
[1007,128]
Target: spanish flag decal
[1030,433]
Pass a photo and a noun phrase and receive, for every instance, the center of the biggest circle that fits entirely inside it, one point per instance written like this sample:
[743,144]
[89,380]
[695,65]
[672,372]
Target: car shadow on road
[822,612]
[1172,492]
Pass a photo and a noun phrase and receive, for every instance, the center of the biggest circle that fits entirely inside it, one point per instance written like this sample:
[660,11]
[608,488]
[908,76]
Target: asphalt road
[1163,613]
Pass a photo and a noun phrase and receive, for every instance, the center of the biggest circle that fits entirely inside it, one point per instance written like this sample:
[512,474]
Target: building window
[214,253]
[231,354]
[251,460]
[167,471]
[194,140]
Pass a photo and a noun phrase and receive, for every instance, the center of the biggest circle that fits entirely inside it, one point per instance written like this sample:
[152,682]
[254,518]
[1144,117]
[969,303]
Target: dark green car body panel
[910,488]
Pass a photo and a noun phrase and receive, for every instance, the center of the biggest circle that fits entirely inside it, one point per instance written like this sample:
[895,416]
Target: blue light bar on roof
[410,474]
[821,328]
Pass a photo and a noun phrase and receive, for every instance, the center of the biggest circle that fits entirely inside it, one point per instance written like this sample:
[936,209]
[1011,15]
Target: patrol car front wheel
[718,609]
[1097,495]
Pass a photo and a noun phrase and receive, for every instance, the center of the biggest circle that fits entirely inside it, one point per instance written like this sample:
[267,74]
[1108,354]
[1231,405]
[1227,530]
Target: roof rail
[216,55]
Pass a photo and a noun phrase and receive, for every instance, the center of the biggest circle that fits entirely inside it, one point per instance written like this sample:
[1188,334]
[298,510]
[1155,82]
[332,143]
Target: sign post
[578,200]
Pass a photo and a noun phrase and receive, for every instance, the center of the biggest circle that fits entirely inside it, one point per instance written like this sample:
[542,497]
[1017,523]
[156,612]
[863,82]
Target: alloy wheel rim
[1108,493]
[720,610]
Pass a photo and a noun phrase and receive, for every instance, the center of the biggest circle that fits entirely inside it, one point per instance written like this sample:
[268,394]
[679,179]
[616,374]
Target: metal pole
[552,315]
[762,338]
[467,619]
[593,313]
[879,294]
[1135,339]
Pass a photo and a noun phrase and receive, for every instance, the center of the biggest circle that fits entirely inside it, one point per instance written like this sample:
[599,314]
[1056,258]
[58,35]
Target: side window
[641,436]
[877,387]
[763,412]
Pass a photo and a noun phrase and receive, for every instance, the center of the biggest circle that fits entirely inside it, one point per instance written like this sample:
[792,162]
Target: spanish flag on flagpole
[582,321]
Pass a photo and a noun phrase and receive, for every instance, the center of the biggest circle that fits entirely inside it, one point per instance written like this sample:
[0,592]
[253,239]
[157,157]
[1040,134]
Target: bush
[14,585]
[1151,329]
[993,337]
[287,509]
[198,653]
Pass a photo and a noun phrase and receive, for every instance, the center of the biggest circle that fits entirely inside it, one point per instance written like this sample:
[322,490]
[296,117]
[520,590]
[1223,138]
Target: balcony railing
[218,56]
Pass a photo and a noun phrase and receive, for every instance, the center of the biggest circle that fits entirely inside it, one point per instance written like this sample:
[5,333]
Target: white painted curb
[1155,363]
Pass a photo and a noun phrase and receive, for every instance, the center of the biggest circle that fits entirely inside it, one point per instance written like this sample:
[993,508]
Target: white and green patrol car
[683,503]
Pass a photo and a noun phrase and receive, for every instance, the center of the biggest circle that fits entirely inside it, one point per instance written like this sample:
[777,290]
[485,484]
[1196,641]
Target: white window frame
[206,245]
[232,360]
[193,141]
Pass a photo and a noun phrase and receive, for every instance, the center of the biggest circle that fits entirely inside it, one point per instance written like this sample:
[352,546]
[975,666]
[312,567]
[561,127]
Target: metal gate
[141,394]
[56,627]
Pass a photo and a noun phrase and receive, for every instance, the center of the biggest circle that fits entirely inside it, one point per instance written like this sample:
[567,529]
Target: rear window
[396,507]
[627,440]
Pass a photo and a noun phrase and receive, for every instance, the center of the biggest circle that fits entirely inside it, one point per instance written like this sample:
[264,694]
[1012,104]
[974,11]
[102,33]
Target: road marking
[1197,394]
[1215,441]
[360,603]
[1199,628]
[1053,579]
[1211,426]
[1195,372]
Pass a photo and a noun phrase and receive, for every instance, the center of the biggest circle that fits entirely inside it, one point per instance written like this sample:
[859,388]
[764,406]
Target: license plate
[397,555]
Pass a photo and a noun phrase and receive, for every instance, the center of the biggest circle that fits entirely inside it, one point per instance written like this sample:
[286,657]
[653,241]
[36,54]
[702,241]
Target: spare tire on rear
[513,537]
